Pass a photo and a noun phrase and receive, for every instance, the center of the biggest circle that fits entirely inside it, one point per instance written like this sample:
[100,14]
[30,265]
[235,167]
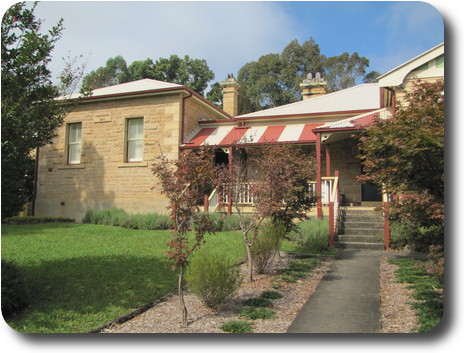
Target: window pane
[135,150]
[74,143]
[135,129]
[75,133]
[135,140]
[75,153]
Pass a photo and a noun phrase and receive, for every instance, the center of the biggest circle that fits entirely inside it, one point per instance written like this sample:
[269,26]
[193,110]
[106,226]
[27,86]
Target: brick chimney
[230,89]
[313,87]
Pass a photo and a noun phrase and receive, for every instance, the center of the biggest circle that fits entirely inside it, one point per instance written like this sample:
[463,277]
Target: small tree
[277,178]
[184,183]
[405,155]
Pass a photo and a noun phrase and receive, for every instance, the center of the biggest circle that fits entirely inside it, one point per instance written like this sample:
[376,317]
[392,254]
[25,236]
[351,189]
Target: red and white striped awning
[230,135]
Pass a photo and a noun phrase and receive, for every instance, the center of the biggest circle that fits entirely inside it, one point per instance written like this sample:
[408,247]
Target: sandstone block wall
[104,179]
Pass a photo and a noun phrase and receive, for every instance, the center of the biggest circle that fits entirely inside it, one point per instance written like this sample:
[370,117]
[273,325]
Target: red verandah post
[331,224]
[318,176]
[386,225]
[231,171]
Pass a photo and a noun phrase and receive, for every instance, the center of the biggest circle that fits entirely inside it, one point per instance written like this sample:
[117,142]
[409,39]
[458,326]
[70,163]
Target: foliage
[257,302]
[237,327]
[15,292]
[312,234]
[255,313]
[343,70]
[212,278]
[85,275]
[298,268]
[406,155]
[193,73]
[119,217]
[274,79]
[270,294]
[35,219]
[267,245]
[280,188]
[184,182]
[30,112]
[428,291]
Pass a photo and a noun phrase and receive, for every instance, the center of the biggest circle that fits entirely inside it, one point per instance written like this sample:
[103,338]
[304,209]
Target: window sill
[133,165]
[72,166]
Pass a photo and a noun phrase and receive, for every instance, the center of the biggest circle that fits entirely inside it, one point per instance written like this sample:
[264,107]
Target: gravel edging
[164,317]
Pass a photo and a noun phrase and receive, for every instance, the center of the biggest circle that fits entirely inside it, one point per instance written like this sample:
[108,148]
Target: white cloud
[226,34]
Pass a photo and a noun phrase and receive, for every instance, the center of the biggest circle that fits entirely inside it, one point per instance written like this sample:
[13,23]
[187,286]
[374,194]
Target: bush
[237,327]
[15,292]
[255,313]
[212,278]
[266,245]
[119,217]
[415,237]
[231,222]
[259,302]
[313,234]
[270,294]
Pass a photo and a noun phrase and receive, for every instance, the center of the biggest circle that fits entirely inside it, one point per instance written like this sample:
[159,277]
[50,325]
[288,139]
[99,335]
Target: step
[371,225]
[360,231]
[357,245]
[359,238]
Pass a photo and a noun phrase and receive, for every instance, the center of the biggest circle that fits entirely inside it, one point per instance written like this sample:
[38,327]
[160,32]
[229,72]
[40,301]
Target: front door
[370,192]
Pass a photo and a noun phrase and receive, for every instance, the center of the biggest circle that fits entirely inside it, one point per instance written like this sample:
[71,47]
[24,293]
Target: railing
[329,189]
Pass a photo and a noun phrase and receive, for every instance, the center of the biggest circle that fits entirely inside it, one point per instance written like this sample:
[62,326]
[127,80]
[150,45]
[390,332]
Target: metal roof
[357,121]
[361,97]
[139,86]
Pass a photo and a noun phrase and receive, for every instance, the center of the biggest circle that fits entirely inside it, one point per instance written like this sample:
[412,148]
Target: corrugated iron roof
[357,121]
[129,87]
[361,97]
[229,135]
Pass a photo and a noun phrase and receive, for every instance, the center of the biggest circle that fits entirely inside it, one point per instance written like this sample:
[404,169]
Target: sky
[230,34]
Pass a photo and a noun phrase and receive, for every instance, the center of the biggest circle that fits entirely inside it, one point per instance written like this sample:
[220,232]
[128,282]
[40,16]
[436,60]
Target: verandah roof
[261,134]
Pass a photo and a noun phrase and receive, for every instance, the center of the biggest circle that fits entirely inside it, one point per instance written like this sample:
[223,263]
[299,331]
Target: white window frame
[134,142]
[74,144]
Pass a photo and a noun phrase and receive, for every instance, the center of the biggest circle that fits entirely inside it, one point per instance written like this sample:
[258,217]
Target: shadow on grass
[79,294]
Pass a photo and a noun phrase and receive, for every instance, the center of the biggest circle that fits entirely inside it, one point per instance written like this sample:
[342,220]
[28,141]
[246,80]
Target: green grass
[429,303]
[82,276]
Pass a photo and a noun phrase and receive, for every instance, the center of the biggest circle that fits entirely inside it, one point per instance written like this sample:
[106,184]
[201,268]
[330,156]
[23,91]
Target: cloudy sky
[230,34]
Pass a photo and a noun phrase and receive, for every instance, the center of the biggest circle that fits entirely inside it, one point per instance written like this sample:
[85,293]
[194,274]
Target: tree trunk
[183,308]
[250,262]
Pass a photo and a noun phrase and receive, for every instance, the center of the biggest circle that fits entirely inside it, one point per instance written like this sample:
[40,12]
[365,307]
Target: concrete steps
[360,228]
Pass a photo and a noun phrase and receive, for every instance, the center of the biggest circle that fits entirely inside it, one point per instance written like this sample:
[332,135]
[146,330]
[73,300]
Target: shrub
[230,222]
[313,234]
[119,217]
[237,327]
[15,292]
[212,278]
[266,245]
[255,313]
[415,237]
[270,294]
[259,302]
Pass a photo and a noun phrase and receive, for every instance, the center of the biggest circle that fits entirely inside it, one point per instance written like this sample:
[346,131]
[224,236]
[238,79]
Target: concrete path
[347,298]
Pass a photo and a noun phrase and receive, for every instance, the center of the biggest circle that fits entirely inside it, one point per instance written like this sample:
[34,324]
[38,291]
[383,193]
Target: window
[440,61]
[134,147]
[74,143]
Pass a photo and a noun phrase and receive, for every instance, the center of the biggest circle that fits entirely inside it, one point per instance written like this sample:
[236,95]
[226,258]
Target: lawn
[82,276]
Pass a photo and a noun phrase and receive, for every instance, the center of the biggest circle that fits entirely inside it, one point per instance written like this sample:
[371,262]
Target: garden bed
[165,316]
